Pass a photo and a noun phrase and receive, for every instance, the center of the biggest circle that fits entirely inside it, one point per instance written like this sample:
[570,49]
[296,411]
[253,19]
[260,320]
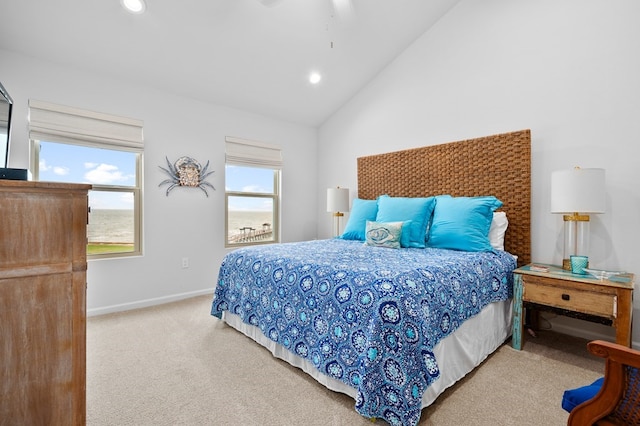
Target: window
[77,146]
[252,181]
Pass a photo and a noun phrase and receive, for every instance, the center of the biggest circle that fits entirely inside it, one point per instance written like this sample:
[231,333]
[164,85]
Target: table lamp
[577,193]
[337,203]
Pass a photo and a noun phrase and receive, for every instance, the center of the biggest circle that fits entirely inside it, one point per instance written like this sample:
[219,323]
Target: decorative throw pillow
[498,229]
[462,223]
[386,235]
[416,210]
[361,212]
[574,397]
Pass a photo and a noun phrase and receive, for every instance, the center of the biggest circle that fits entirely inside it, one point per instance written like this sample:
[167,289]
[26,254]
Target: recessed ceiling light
[134,6]
[270,3]
[314,78]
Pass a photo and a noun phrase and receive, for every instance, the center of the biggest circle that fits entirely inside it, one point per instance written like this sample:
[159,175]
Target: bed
[392,328]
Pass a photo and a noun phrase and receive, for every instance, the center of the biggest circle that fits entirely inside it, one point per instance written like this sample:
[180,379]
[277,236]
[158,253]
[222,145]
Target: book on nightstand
[539,268]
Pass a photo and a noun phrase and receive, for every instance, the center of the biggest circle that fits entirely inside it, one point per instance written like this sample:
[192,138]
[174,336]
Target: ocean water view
[237,220]
[117,226]
[111,226]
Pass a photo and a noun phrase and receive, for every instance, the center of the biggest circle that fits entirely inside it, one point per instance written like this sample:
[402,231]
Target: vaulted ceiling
[254,55]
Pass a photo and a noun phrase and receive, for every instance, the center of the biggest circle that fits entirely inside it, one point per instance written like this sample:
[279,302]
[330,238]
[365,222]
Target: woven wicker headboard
[498,165]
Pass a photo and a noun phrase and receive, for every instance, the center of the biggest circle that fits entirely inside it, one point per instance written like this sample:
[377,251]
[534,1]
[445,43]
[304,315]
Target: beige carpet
[176,365]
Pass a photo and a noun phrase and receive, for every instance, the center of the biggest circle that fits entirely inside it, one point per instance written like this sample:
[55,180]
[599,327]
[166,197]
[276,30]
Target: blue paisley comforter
[369,317]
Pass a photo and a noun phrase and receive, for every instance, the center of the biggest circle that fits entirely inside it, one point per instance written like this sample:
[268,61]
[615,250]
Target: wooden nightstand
[581,296]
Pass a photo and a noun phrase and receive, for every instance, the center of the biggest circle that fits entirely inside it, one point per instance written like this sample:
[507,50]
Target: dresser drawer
[587,302]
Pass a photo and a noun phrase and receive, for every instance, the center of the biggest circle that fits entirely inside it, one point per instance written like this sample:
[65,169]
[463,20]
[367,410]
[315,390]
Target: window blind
[51,122]
[242,152]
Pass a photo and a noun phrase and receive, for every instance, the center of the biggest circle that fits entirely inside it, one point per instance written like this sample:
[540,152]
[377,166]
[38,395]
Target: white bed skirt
[465,349]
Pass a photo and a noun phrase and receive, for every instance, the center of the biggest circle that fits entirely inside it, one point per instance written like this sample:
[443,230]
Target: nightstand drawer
[593,303]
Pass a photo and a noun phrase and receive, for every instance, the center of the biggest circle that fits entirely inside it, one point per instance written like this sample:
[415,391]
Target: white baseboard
[586,333]
[146,303]
[580,332]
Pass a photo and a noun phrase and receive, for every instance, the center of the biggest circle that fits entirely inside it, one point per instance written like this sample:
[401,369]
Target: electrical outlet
[185,262]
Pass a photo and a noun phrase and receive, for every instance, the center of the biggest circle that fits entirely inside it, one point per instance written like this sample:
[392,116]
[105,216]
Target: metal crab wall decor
[186,171]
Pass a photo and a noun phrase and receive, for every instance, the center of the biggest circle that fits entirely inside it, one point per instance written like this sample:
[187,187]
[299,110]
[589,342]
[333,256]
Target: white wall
[186,223]
[568,70]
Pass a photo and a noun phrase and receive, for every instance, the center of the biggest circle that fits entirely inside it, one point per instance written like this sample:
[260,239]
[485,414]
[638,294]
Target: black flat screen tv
[6,104]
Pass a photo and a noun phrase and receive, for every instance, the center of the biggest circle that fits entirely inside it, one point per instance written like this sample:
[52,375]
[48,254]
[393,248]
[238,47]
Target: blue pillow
[417,210]
[385,235]
[361,211]
[462,223]
[574,397]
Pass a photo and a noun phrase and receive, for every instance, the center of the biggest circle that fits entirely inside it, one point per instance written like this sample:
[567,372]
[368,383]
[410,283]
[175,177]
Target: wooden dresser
[43,266]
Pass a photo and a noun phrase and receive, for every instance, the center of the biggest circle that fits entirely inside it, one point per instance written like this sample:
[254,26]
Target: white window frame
[248,153]
[54,123]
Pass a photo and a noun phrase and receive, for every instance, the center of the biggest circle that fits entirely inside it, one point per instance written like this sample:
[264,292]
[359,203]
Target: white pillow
[498,228]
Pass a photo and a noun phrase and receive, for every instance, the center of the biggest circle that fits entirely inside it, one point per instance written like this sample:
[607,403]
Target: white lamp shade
[338,199]
[578,191]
